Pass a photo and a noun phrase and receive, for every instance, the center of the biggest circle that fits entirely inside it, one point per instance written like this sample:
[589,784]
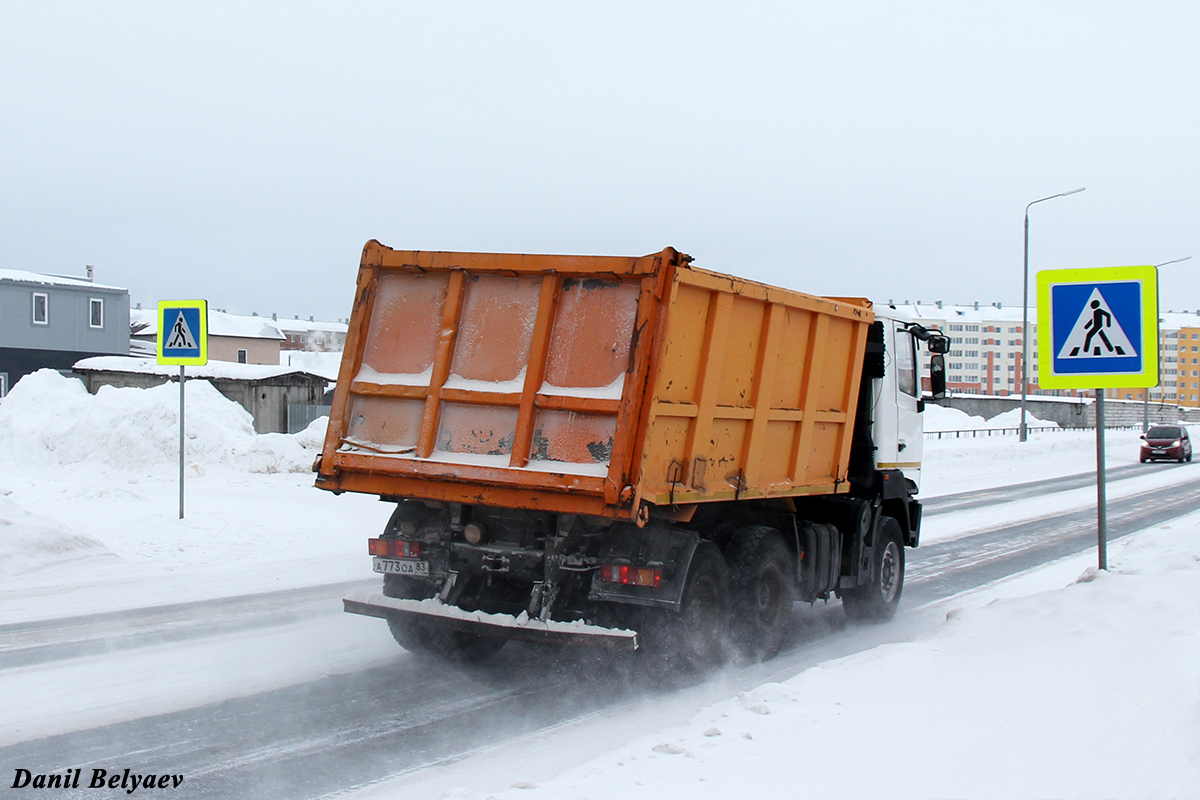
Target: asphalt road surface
[323,737]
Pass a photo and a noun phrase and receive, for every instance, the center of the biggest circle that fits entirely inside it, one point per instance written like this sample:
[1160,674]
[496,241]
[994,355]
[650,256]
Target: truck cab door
[899,431]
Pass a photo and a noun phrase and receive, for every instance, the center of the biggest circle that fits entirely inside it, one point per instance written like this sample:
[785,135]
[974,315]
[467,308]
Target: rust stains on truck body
[589,385]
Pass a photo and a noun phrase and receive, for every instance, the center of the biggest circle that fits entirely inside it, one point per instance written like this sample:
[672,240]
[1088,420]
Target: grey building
[49,321]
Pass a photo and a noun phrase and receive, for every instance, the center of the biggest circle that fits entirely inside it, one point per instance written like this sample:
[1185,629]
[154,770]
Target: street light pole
[1025,315]
[1146,391]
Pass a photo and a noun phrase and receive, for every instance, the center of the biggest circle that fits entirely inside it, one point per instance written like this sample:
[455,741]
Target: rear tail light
[394,548]
[631,576]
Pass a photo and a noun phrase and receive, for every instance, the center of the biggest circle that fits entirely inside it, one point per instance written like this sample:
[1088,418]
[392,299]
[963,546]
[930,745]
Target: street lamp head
[1073,191]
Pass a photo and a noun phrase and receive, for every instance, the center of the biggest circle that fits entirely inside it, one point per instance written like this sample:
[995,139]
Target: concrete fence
[1074,412]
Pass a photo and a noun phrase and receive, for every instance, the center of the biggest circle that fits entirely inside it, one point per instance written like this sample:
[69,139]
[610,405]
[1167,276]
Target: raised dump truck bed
[590,385]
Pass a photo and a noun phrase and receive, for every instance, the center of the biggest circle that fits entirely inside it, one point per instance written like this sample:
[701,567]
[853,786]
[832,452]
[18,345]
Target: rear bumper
[434,613]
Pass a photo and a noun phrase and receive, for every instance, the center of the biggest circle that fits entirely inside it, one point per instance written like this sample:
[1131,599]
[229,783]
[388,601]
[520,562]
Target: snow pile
[50,420]
[29,542]
[1087,691]
[941,418]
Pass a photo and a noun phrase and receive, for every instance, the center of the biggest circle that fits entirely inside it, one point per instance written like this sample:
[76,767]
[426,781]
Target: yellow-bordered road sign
[1097,328]
[183,332]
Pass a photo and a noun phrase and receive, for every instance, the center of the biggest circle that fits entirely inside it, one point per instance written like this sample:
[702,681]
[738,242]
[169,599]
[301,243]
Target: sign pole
[182,340]
[181,379]
[1099,331]
[1101,493]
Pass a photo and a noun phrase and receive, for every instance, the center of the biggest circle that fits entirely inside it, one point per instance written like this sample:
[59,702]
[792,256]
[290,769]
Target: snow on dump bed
[48,419]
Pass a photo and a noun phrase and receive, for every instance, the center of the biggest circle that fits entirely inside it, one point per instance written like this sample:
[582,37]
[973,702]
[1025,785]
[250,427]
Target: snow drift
[48,419]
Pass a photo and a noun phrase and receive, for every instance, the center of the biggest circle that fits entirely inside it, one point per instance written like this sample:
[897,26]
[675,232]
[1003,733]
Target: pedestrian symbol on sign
[181,337]
[1097,333]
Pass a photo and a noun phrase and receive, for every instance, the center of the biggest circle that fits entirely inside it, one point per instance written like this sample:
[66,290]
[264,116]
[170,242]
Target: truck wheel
[695,636]
[417,638]
[762,587]
[877,600]
[408,635]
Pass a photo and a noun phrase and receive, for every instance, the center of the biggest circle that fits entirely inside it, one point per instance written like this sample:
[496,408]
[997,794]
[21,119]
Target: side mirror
[937,375]
[1143,436]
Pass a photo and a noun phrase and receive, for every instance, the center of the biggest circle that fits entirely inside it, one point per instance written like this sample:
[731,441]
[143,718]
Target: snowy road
[321,737]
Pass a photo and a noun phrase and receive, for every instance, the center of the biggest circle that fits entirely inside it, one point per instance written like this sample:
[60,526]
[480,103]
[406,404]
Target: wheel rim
[770,589]
[889,572]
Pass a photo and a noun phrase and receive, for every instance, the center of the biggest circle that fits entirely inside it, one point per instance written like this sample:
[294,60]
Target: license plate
[402,566]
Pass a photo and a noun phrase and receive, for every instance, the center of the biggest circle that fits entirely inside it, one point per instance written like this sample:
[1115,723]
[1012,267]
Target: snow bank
[50,420]
[29,542]
[941,418]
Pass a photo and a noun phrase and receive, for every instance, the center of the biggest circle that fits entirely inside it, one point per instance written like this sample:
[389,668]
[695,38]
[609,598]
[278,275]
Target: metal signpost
[1098,329]
[182,341]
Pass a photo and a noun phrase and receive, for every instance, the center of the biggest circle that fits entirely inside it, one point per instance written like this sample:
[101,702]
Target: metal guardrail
[976,432]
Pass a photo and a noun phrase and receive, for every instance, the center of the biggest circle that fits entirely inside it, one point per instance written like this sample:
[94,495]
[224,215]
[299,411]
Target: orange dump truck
[622,451]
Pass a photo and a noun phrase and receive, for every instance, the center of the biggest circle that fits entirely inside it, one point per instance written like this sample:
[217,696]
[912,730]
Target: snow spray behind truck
[622,451]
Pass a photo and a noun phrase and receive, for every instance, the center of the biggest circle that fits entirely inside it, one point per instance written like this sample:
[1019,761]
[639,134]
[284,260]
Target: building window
[41,309]
[241,356]
[3,383]
[95,312]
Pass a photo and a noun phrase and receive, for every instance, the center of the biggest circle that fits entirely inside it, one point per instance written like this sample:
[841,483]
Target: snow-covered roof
[213,369]
[21,276]
[303,326]
[1174,320]
[985,314]
[219,324]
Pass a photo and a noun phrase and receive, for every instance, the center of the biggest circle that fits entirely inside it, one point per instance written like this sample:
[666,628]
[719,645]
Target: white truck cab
[898,429]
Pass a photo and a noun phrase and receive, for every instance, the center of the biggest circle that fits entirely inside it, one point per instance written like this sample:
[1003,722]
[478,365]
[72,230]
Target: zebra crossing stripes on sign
[1097,328]
[183,332]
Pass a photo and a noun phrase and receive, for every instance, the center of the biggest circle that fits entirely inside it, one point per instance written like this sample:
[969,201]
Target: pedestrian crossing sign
[183,332]
[1097,328]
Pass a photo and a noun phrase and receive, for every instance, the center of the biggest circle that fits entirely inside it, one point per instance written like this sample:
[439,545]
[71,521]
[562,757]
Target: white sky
[245,152]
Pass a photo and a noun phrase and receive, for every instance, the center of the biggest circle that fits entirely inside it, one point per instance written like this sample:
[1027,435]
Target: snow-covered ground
[1040,686]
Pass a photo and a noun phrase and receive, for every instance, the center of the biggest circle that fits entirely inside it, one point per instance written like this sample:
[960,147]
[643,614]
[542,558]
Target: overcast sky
[245,152]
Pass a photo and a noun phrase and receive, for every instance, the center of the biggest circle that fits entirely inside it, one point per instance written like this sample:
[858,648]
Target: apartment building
[1179,362]
[986,351]
[986,343]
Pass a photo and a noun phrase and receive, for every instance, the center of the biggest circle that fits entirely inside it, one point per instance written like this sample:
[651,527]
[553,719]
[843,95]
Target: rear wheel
[418,638]
[408,634]
[696,635]
[762,590]
[877,600]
